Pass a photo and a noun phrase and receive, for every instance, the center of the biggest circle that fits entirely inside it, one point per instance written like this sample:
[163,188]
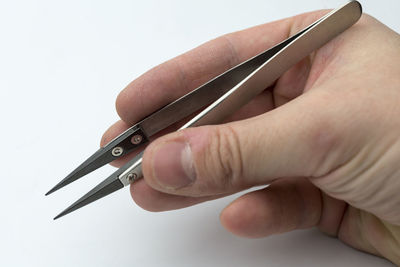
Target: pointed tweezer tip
[65,212]
[106,187]
[58,216]
[62,214]
[58,186]
[98,159]
[50,191]
[55,188]
[67,180]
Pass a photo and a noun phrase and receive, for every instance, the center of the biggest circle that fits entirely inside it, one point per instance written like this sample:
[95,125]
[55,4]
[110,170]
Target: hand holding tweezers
[217,99]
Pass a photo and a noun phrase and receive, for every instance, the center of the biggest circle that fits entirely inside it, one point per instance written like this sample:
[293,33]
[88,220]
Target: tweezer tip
[51,191]
[58,216]
[98,159]
[56,187]
[66,211]
[106,187]
[63,213]
[67,180]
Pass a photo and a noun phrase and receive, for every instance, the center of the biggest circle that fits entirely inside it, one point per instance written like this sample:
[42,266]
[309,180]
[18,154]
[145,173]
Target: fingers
[285,205]
[176,77]
[293,140]
[261,104]
[153,200]
[184,73]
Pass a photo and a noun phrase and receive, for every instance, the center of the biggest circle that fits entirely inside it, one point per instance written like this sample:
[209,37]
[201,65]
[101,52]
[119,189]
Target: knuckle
[225,162]
[229,45]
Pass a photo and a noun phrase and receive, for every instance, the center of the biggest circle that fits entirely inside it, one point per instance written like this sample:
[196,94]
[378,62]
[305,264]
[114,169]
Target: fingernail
[173,165]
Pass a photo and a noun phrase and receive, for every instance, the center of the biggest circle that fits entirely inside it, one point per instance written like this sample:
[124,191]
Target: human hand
[325,137]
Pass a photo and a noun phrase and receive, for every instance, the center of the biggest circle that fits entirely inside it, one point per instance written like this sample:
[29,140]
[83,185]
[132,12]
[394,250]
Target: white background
[62,64]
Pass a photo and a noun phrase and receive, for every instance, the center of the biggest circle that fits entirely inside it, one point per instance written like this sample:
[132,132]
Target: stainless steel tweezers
[218,98]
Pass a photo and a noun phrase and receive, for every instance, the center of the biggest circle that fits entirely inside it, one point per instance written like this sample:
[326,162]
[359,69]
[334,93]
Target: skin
[325,137]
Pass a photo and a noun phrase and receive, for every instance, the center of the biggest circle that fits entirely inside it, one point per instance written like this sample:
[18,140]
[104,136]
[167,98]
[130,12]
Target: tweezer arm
[311,39]
[289,53]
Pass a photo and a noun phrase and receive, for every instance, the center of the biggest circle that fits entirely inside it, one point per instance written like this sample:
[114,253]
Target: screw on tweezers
[132,177]
[136,139]
[117,151]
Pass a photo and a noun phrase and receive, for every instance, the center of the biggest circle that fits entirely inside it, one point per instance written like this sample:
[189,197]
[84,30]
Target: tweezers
[216,99]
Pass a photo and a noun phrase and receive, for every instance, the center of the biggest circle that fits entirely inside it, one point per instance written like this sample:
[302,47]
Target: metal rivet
[132,177]
[136,139]
[117,151]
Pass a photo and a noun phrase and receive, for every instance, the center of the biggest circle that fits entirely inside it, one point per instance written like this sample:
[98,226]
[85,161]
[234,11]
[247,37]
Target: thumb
[292,140]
